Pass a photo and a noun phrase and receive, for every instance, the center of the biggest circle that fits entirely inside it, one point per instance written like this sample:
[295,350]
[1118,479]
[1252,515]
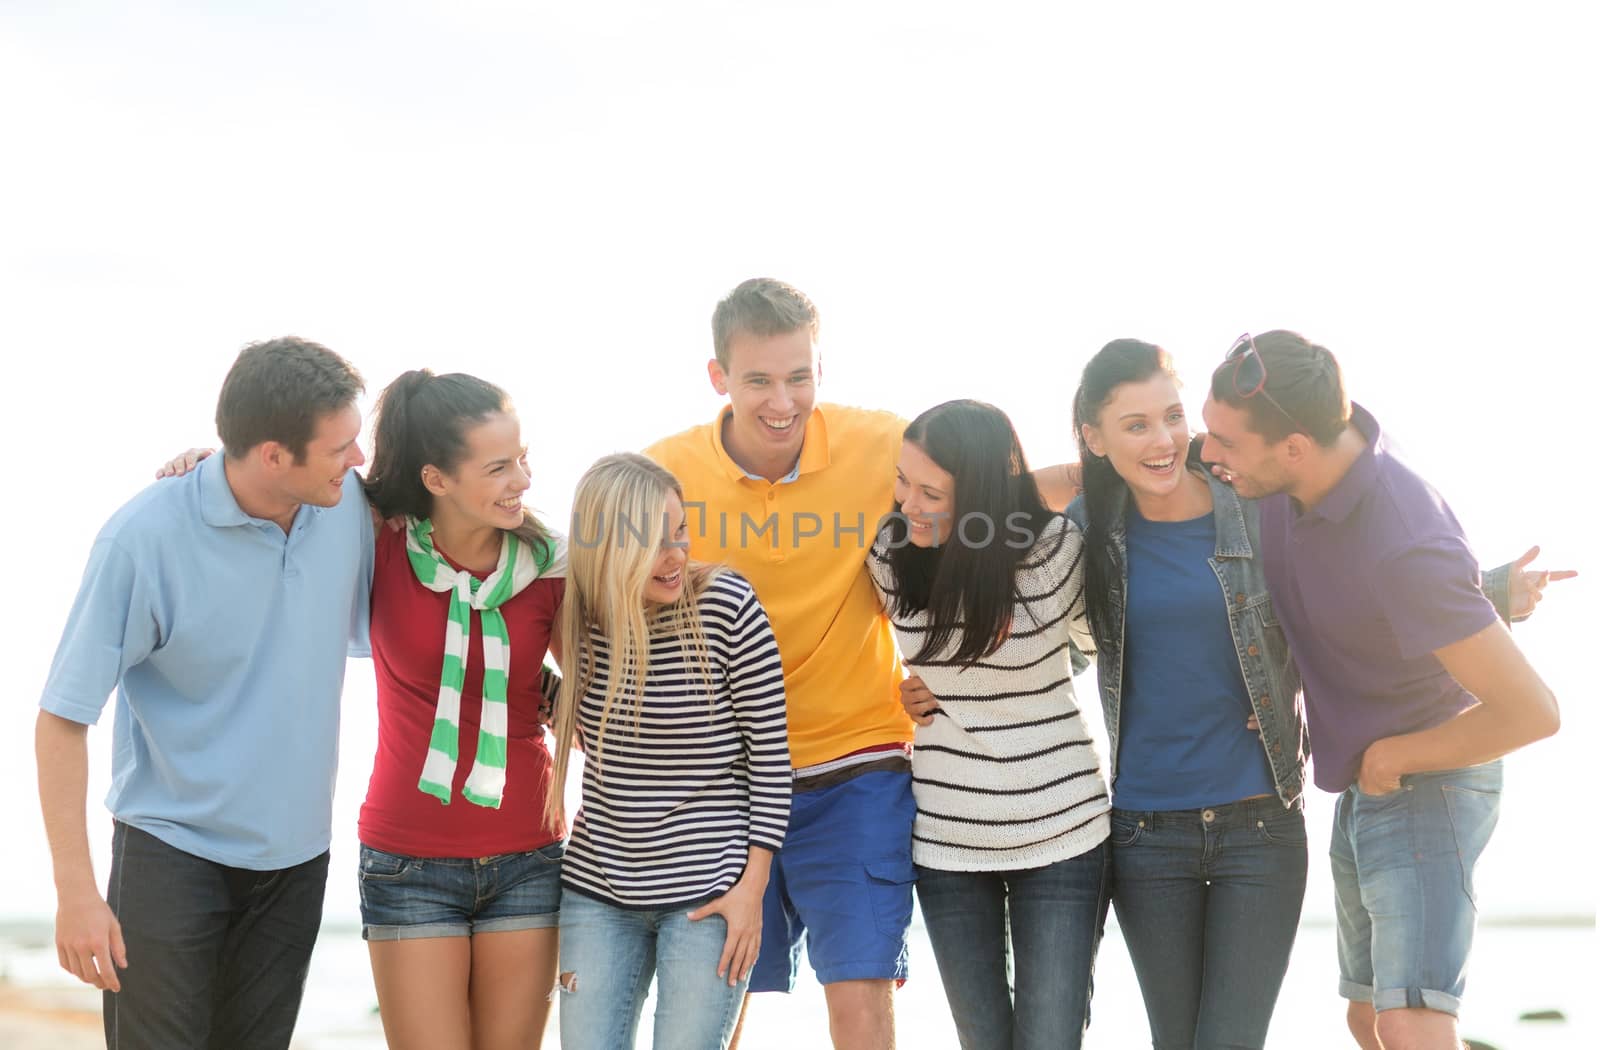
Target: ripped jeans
[608,956]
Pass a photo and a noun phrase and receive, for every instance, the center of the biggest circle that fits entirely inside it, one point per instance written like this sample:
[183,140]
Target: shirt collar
[218,507]
[1348,492]
[813,450]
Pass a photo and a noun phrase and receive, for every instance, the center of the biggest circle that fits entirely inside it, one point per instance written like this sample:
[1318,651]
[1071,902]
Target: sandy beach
[49,1018]
[1516,969]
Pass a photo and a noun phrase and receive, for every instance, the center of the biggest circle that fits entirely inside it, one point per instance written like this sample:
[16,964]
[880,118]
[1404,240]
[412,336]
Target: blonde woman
[675,694]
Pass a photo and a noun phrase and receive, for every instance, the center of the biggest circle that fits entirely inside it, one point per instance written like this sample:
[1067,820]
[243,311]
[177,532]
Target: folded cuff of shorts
[1416,998]
[546,921]
[509,924]
[411,933]
[1356,993]
[871,970]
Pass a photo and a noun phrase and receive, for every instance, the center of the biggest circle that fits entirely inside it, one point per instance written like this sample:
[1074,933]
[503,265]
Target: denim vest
[1269,673]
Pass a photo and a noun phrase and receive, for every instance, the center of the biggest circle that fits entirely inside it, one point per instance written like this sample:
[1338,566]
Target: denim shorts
[407,897]
[1402,879]
[841,885]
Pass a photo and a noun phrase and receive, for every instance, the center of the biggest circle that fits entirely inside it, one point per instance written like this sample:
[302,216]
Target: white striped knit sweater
[1006,777]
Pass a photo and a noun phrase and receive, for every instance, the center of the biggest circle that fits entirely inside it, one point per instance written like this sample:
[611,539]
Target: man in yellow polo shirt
[789,493]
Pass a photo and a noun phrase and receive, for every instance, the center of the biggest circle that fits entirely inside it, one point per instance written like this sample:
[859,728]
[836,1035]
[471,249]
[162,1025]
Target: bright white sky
[977,197]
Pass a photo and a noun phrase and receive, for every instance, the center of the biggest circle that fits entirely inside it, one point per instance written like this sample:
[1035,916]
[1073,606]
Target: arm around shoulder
[1059,484]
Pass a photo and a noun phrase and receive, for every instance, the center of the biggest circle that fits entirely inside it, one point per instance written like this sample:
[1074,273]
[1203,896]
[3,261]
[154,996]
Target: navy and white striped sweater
[670,811]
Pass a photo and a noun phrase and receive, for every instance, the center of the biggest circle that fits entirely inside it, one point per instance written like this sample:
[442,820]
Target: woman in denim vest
[1207,738]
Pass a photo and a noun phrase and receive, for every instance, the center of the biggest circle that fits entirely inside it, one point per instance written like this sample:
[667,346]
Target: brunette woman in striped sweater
[674,687]
[984,587]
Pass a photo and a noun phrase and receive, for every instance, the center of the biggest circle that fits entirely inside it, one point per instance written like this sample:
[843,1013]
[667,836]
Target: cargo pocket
[889,882]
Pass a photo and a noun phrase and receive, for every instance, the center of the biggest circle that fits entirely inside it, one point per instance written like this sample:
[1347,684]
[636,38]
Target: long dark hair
[1119,361]
[423,418]
[969,583]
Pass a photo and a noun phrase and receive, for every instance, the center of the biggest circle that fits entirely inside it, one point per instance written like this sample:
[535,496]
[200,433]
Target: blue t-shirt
[1184,744]
[225,640]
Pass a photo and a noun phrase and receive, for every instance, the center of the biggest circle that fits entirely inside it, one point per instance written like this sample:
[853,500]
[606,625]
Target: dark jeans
[217,956]
[1055,917]
[1208,901]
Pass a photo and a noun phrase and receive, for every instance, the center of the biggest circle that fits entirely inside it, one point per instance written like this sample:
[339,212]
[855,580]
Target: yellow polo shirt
[803,545]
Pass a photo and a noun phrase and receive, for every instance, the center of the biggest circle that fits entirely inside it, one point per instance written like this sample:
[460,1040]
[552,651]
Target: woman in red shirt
[460,872]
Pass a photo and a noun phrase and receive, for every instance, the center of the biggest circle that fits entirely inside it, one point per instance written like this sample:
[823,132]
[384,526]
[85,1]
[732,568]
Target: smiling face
[666,574]
[1254,467]
[486,487]
[926,494]
[771,382]
[318,477]
[1142,430]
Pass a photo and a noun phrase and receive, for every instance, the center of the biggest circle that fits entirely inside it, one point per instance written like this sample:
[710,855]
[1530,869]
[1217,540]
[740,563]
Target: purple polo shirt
[1367,585]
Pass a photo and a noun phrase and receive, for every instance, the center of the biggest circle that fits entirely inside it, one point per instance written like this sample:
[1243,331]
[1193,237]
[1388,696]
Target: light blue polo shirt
[225,642]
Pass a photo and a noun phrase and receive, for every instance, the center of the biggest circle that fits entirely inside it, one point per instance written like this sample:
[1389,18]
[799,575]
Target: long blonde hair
[619,520]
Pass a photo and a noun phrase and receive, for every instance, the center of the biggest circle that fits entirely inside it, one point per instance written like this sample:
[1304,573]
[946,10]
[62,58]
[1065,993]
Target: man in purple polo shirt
[1413,687]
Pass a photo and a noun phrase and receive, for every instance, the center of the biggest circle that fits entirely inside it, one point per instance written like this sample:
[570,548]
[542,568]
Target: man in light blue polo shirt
[219,607]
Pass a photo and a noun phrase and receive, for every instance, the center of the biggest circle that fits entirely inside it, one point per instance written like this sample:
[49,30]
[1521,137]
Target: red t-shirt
[408,622]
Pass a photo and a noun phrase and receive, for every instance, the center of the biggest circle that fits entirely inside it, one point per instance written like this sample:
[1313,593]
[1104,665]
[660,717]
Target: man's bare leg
[1417,1029]
[1363,1022]
[861,1014]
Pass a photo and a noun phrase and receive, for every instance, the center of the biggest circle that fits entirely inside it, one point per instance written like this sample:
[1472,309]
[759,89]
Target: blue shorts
[1402,880]
[841,885]
[407,897]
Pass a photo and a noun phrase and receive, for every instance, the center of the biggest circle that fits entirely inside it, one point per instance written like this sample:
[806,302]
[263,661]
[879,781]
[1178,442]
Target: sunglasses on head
[1250,375]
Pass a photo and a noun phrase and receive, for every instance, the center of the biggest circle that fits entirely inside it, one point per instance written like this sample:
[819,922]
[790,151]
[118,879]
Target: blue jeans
[1402,881]
[608,955]
[1055,917]
[217,956]
[1208,901]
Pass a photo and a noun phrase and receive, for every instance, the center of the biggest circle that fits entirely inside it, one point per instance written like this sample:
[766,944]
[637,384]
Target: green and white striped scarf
[519,566]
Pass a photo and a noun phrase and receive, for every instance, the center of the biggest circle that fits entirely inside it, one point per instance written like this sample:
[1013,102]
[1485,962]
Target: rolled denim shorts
[407,897]
[1403,893]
